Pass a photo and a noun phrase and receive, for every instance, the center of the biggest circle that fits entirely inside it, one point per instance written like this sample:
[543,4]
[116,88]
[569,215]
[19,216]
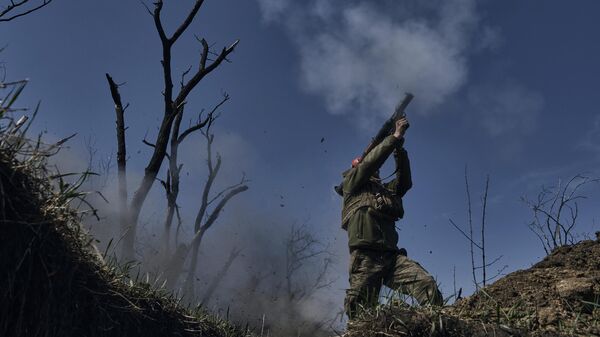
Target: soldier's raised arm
[375,159]
[403,181]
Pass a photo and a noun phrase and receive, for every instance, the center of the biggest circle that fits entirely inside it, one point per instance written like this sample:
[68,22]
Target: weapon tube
[386,129]
[389,125]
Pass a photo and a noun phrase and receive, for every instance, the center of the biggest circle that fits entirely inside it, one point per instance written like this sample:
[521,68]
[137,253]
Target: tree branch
[188,20]
[464,234]
[218,195]
[485,196]
[203,72]
[470,219]
[14,5]
[202,123]
[215,213]
[158,23]
[148,143]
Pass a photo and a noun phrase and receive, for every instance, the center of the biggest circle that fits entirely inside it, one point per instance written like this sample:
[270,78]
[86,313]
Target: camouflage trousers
[370,269]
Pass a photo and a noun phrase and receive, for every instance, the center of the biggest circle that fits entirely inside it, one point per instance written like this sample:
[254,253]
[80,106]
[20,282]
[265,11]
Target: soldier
[369,213]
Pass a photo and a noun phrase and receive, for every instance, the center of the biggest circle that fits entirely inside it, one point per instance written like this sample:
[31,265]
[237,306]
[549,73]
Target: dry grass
[54,282]
[558,296]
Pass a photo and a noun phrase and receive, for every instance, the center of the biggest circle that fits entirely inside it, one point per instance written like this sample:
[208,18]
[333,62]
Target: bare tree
[555,212]
[211,203]
[473,241]
[174,103]
[18,8]
[121,150]
[172,182]
[286,281]
[216,281]
[304,276]
[301,248]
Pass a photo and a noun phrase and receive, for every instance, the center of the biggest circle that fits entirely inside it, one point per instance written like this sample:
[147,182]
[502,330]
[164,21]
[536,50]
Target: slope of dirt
[53,284]
[558,296]
[405,321]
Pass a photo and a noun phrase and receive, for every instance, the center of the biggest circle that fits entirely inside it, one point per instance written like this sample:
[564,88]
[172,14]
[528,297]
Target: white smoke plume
[255,288]
[361,56]
[507,108]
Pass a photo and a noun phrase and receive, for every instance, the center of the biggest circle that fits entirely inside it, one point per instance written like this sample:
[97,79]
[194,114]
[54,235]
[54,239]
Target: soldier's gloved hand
[401,126]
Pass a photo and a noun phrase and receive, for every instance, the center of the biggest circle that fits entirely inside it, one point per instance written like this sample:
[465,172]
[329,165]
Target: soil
[558,296]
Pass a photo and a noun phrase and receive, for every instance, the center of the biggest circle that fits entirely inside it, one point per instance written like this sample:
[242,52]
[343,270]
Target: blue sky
[507,88]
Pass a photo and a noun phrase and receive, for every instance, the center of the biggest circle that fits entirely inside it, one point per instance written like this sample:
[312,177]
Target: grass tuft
[54,282]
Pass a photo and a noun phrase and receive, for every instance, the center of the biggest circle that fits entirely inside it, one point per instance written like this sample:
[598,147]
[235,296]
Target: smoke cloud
[360,56]
[244,262]
[591,139]
[506,109]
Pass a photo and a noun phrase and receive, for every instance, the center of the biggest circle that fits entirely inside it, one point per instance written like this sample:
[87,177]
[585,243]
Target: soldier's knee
[427,292]
[434,296]
[437,299]
[430,282]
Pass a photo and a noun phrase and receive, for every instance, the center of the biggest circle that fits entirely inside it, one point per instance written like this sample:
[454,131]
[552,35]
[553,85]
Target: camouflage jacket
[371,208]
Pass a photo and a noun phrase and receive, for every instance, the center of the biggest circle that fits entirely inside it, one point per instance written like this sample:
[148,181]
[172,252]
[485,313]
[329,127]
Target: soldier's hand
[401,126]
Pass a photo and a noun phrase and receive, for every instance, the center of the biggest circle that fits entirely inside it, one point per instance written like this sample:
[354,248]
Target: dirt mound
[52,281]
[584,256]
[559,296]
[430,322]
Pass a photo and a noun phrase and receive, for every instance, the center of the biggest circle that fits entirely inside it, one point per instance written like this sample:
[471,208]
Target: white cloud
[324,9]
[363,56]
[272,9]
[591,140]
[507,108]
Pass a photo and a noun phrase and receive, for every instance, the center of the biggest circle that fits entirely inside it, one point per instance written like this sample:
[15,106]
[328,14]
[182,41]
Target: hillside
[54,283]
[558,296]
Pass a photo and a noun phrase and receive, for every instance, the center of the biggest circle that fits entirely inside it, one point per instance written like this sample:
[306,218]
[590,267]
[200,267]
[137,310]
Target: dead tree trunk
[484,208]
[210,290]
[472,240]
[205,218]
[173,106]
[189,282]
[171,184]
[121,153]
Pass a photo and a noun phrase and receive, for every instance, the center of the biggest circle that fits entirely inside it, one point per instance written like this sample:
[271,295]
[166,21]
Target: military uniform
[369,214]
